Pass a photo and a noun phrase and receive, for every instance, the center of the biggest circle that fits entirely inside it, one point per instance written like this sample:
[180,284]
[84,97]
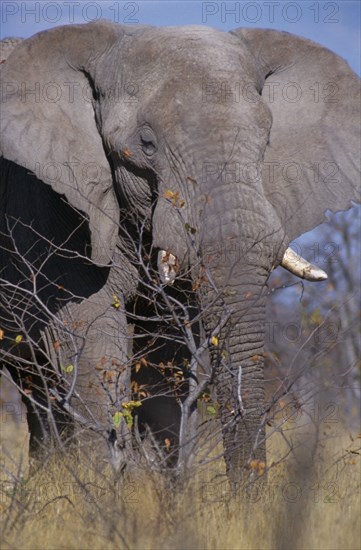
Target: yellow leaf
[18,339]
[211,410]
[175,198]
[2,334]
[117,418]
[258,466]
[116,302]
[214,341]
[168,194]
[129,405]
[167,443]
[67,369]
[137,367]
[128,419]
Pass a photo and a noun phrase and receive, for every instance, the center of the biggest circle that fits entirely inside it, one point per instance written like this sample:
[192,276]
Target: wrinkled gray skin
[165,112]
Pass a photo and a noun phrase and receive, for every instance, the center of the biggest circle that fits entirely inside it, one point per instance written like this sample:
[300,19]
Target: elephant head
[225,146]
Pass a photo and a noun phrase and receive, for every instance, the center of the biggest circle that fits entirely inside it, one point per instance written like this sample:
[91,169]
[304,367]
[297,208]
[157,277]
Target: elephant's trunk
[244,228]
[238,238]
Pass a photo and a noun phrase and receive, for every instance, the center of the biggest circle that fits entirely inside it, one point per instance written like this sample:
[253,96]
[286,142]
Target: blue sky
[336,25]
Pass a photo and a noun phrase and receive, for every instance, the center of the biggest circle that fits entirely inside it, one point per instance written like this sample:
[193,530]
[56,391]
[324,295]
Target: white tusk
[167,266]
[301,267]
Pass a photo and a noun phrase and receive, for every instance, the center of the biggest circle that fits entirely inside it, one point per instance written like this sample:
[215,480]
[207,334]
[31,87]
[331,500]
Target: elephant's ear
[7,45]
[48,124]
[312,161]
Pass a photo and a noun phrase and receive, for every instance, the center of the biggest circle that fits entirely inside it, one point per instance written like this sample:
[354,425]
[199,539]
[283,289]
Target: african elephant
[215,148]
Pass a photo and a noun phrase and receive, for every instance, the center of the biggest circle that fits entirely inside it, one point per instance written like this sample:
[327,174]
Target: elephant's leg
[39,429]
[47,422]
[36,419]
[97,370]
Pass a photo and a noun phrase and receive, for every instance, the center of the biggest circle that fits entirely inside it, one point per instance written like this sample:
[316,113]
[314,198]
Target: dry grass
[311,501]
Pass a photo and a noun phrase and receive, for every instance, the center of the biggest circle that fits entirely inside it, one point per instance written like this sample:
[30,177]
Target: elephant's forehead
[173,67]
[191,47]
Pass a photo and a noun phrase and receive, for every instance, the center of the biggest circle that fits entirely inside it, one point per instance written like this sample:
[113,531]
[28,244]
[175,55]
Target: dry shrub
[310,500]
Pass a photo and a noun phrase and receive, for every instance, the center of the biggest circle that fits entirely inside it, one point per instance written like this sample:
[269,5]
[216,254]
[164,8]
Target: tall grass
[311,500]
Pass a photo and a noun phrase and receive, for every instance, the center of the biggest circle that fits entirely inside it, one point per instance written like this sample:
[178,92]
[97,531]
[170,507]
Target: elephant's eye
[148,142]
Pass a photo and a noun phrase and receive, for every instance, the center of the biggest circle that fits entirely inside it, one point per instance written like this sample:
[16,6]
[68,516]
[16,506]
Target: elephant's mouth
[168,267]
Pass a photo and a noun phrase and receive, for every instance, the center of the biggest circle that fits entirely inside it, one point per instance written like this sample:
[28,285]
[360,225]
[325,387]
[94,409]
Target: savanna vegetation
[310,500]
